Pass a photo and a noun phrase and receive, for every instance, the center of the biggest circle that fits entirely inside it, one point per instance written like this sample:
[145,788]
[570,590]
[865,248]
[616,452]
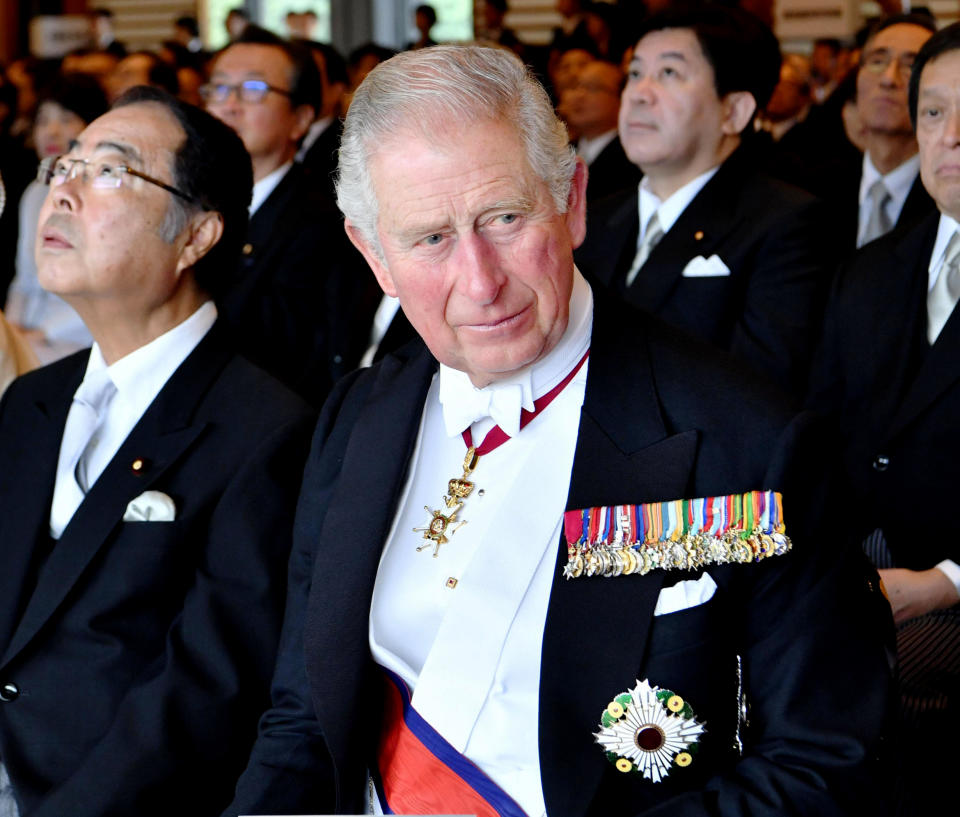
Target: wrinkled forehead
[146,134]
[899,38]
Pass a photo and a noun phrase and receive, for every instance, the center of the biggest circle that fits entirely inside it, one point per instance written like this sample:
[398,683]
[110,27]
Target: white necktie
[650,240]
[878,222]
[80,436]
[946,290]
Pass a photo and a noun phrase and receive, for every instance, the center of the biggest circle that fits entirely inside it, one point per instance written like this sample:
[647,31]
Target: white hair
[432,89]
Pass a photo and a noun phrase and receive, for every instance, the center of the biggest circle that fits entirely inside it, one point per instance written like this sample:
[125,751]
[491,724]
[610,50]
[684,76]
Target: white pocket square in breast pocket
[701,267]
[685,594]
[150,506]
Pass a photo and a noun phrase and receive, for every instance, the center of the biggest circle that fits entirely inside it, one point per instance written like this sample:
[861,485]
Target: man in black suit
[889,371]
[590,106]
[147,487]
[890,192]
[318,150]
[710,244]
[302,301]
[514,629]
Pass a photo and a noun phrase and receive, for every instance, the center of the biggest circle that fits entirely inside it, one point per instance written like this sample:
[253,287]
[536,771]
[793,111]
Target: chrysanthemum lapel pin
[648,731]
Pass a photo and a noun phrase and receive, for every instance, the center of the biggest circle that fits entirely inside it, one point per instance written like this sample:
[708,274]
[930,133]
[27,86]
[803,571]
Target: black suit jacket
[301,304]
[896,397]
[662,418]
[611,172]
[774,241]
[320,160]
[136,656]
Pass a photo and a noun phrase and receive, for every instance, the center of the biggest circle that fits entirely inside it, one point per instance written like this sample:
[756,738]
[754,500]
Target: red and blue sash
[420,773]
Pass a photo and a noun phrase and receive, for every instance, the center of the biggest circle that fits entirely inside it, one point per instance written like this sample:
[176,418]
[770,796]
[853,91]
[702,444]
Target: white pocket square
[685,594]
[701,267]
[150,506]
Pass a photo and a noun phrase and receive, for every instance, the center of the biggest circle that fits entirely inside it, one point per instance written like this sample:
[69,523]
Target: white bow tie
[463,406]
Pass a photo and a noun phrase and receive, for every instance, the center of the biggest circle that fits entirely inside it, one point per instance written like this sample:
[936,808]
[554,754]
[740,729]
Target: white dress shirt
[898,183]
[671,209]
[263,188]
[138,378]
[478,642]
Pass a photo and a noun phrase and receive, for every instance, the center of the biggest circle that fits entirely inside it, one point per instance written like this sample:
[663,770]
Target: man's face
[938,130]
[592,103]
[671,119]
[884,75]
[104,243]
[270,128]
[474,247]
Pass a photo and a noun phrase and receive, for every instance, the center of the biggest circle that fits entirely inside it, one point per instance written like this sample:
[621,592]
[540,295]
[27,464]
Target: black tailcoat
[663,418]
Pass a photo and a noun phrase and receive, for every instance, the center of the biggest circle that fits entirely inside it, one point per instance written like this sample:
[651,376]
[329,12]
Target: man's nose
[478,269]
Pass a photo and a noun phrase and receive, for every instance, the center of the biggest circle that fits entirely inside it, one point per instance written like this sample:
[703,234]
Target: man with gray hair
[550,558]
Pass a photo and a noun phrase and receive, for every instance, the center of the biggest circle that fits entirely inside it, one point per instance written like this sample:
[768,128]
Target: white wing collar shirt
[468,624]
[138,378]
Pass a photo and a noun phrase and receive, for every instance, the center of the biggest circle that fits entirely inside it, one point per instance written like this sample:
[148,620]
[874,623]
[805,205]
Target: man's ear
[576,215]
[303,118]
[372,257]
[738,109]
[202,233]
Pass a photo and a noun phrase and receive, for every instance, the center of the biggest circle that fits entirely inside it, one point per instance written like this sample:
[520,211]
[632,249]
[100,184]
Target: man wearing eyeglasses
[299,279]
[890,191]
[147,487]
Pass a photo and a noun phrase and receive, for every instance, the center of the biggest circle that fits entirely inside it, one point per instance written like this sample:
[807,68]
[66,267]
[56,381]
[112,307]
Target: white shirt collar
[588,149]
[140,375]
[898,181]
[670,210]
[263,188]
[463,403]
[948,226]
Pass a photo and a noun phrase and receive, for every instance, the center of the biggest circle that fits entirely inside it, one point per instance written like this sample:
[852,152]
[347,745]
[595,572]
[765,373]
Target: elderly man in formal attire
[708,242]
[147,487]
[889,370]
[890,191]
[515,589]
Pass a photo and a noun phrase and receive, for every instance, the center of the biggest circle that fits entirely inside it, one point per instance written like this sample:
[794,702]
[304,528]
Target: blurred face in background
[54,128]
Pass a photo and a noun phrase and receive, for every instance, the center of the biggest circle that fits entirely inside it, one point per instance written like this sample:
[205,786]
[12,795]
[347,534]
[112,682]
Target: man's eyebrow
[675,55]
[128,151]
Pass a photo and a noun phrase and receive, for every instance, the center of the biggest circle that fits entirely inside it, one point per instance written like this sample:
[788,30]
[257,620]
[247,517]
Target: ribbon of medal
[443,521]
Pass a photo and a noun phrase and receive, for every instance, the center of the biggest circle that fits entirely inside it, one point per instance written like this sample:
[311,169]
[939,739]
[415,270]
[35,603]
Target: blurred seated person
[591,105]
[318,149]
[99,64]
[16,356]
[424,18]
[495,29]
[50,325]
[141,68]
